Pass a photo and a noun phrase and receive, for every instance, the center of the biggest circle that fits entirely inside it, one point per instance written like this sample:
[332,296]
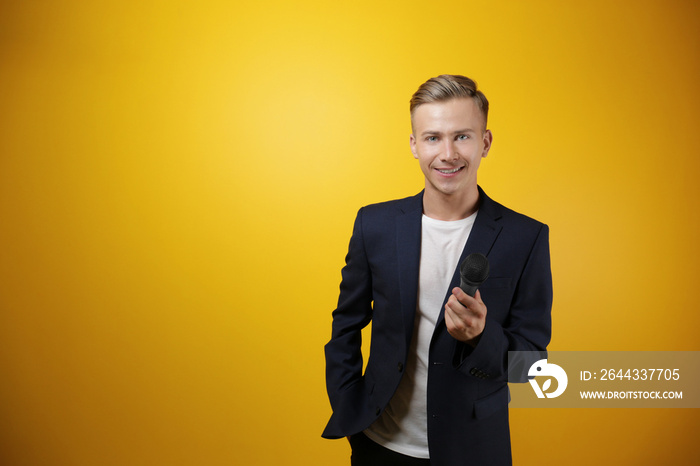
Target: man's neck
[449,207]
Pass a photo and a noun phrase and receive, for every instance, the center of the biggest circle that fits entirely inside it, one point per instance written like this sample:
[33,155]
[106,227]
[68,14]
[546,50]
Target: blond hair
[447,87]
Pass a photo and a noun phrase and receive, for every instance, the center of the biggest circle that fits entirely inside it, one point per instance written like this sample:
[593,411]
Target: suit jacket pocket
[496,282]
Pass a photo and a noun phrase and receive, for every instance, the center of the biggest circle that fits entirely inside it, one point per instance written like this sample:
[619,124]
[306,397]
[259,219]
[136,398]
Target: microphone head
[475,269]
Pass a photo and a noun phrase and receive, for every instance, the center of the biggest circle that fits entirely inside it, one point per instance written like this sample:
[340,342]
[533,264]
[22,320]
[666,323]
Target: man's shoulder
[498,211]
[395,206]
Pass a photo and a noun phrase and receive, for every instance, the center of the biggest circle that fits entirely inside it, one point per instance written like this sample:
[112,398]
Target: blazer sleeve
[343,352]
[528,325]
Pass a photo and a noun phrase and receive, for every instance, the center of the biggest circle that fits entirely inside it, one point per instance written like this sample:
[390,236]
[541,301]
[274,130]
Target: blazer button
[400,367]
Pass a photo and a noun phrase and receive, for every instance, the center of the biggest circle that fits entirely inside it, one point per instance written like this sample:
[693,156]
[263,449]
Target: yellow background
[178,182]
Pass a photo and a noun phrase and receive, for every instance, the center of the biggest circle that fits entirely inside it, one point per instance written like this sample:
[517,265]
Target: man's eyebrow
[459,131]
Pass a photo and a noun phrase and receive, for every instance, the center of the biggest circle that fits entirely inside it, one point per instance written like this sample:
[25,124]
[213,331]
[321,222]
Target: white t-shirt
[403,426]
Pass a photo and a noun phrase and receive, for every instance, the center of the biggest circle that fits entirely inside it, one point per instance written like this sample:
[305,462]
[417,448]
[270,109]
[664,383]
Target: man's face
[449,141]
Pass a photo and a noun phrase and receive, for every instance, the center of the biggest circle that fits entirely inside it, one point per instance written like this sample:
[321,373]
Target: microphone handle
[468,287]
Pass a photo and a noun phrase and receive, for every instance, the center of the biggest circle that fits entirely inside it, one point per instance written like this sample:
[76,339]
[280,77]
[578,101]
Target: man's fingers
[473,305]
[456,320]
[465,299]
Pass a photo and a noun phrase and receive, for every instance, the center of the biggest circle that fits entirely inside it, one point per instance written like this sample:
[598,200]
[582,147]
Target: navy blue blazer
[467,387]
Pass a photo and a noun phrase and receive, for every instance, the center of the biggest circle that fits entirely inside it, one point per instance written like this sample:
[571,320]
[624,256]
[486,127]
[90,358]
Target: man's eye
[431,138]
[462,137]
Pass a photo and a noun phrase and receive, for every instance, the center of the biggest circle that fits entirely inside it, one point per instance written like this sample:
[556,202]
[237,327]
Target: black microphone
[474,270]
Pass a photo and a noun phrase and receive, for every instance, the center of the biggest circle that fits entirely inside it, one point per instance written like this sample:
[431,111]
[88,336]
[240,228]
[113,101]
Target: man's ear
[413,146]
[488,140]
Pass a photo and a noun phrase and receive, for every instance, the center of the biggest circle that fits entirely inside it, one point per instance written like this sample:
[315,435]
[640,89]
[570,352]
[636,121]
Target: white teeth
[447,172]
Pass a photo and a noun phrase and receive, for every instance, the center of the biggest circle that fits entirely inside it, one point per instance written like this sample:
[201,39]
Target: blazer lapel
[484,233]
[408,240]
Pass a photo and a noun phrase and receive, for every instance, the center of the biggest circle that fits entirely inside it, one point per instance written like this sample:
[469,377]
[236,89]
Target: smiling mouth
[449,171]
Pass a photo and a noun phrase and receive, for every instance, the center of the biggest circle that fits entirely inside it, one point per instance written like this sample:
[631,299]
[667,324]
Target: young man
[435,388]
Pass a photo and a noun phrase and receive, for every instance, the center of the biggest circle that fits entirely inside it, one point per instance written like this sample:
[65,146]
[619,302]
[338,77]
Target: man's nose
[449,153]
